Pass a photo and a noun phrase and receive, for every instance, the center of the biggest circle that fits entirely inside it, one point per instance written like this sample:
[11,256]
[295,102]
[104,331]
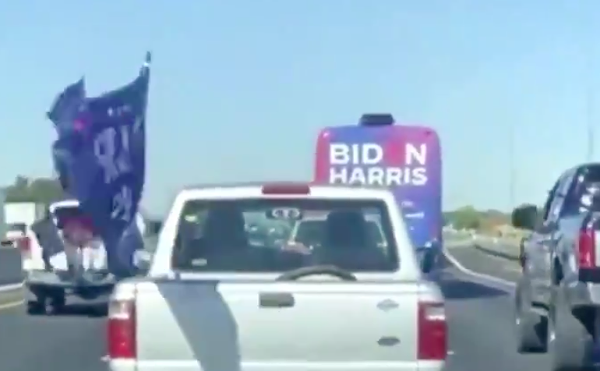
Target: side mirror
[525,217]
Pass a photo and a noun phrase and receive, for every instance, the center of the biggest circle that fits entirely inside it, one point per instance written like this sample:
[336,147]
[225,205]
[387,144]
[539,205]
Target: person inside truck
[348,243]
[224,230]
[221,243]
[222,236]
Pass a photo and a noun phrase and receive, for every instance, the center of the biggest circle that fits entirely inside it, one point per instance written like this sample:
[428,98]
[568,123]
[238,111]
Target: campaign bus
[406,158]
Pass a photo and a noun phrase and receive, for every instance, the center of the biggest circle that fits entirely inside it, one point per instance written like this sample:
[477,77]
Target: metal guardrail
[506,249]
[11,271]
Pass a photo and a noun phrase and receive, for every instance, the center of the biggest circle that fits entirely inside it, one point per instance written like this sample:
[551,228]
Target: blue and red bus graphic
[405,158]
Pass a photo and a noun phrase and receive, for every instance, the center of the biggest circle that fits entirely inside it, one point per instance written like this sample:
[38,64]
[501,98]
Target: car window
[557,206]
[549,201]
[344,238]
[585,191]
[310,232]
[375,232]
[17,227]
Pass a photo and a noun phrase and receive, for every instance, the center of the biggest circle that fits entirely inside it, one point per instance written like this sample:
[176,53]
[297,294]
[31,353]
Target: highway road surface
[479,312]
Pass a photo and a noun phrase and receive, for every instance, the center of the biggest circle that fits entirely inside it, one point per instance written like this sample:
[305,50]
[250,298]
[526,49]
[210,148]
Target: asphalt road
[479,313]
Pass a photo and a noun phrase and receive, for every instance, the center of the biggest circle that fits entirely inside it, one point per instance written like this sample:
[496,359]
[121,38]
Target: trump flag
[100,158]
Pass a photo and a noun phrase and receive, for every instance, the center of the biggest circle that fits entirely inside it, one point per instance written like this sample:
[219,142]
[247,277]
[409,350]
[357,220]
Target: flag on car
[67,106]
[100,159]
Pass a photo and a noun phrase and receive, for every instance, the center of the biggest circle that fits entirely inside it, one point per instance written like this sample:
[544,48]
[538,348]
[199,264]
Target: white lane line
[11,287]
[11,304]
[510,267]
[486,277]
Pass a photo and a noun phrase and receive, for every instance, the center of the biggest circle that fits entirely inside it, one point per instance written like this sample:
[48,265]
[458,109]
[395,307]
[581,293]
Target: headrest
[225,223]
[346,228]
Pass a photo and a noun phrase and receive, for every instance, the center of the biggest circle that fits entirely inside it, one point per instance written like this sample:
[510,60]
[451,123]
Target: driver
[346,230]
[347,243]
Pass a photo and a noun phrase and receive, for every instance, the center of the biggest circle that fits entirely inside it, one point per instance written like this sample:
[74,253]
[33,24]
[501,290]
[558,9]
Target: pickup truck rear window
[584,193]
[213,236]
[311,232]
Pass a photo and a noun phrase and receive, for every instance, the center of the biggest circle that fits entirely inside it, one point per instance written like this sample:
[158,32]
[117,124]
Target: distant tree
[41,190]
[464,218]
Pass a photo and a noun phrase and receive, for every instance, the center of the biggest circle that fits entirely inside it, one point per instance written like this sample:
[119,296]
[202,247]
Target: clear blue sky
[241,88]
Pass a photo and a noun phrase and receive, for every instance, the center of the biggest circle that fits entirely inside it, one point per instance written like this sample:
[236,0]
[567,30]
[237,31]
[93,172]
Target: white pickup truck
[214,301]
[55,270]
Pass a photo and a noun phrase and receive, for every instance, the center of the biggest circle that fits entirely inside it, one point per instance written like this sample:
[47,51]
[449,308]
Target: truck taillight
[432,332]
[587,246]
[24,244]
[286,189]
[121,329]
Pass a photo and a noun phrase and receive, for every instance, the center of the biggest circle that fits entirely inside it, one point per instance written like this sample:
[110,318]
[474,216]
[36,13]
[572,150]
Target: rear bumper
[41,283]
[132,365]
[583,294]
[584,288]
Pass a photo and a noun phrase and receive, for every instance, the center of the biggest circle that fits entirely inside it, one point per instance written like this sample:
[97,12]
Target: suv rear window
[213,236]
[584,191]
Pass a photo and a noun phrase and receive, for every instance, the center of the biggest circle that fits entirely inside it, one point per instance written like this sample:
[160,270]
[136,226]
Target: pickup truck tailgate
[203,325]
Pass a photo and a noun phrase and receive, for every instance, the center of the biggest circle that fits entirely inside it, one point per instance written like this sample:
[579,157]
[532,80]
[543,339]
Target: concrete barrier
[11,271]
[506,249]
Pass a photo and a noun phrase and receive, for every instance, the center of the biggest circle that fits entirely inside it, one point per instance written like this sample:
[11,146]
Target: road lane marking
[510,267]
[11,287]
[11,305]
[486,277]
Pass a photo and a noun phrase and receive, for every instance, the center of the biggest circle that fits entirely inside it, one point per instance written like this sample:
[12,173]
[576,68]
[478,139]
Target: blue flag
[100,157]
[67,106]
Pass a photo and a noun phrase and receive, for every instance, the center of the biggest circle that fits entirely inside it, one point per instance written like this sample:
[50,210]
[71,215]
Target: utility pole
[512,168]
[590,97]
[590,91]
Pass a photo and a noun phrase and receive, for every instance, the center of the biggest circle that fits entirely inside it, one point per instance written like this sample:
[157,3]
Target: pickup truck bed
[277,325]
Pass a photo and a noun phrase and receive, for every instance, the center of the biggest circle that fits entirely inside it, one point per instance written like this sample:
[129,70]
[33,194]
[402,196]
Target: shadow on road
[463,290]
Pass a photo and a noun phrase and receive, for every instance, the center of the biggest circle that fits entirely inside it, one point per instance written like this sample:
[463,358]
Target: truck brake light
[122,329]
[587,246]
[286,189]
[432,332]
